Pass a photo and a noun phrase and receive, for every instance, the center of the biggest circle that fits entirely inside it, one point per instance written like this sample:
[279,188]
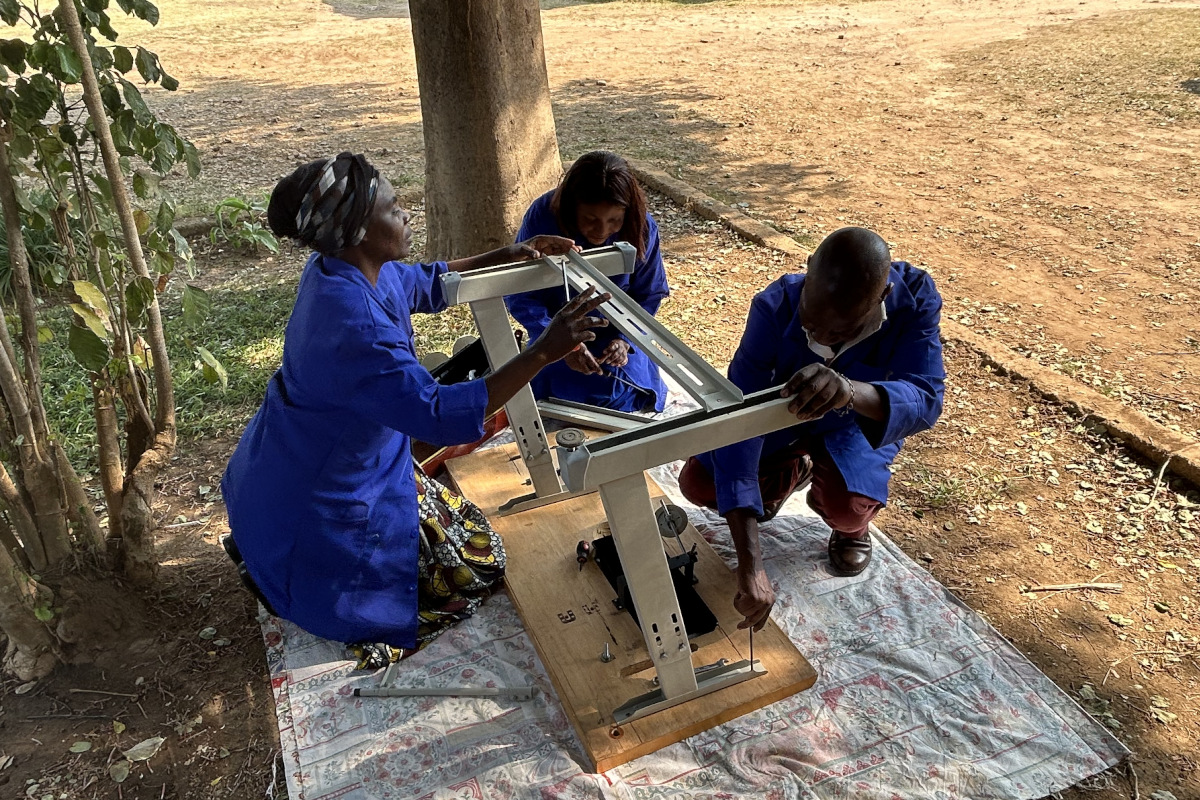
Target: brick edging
[1129,426]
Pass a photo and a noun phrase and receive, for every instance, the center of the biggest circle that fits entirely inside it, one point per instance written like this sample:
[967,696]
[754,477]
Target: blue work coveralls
[320,490]
[534,310]
[903,359]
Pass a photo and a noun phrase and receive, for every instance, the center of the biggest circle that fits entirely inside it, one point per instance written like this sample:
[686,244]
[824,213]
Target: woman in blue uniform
[598,202]
[337,528]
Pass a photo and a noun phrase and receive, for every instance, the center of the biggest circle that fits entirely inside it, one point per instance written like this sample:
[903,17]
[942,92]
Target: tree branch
[165,394]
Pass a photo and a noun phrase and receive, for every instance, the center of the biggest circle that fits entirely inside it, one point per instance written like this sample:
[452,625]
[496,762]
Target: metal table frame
[614,464]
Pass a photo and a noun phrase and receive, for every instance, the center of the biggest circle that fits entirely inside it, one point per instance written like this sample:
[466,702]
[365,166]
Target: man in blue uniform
[856,341]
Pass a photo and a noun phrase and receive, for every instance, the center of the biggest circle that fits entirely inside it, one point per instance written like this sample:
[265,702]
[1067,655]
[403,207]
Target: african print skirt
[461,560]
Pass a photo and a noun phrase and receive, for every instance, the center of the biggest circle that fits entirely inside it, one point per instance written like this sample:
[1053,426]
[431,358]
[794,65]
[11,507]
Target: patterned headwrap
[336,205]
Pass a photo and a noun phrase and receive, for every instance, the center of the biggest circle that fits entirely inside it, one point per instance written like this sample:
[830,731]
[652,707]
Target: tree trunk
[490,147]
[30,551]
[108,438]
[79,505]
[22,287]
[31,648]
[136,519]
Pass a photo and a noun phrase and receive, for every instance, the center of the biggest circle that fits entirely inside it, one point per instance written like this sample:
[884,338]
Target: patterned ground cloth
[918,698]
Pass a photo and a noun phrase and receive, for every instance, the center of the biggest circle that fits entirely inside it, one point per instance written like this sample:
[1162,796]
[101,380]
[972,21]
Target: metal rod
[530,276]
[611,457]
[510,692]
[698,378]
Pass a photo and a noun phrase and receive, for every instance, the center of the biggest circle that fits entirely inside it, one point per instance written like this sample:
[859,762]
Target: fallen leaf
[7,762]
[145,749]
[119,771]
[1163,716]
[80,747]
[25,687]
[1045,548]
[1120,620]
[208,633]
[118,727]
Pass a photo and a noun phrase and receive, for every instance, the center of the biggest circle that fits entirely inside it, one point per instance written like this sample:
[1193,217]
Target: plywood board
[569,614]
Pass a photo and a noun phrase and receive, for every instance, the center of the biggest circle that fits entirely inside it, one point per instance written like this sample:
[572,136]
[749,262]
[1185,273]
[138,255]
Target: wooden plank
[569,614]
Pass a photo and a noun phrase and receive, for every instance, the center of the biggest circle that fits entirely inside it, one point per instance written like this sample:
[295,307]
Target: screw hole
[616,732]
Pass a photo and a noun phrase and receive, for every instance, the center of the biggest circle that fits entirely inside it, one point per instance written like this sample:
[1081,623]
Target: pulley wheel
[672,521]
[570,438]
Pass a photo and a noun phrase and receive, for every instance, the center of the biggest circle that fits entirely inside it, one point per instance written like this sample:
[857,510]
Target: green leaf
[163,263]
[122,59]
[196,305]
[41,54]
[139,294]
[90,293]
[93,321]
[182,248]
[192,157]
[101,59]
[45,334]
[142,220]
[140,187]
[211,368]
[165,217]
[21,145]
[35,97]
[89,349]
[167,149]
[141,111]
[111,96]
[147,65]
[168,82]
[80,747]
[70,68]
[44,613]
[10,11]
[12,53]
[143,9]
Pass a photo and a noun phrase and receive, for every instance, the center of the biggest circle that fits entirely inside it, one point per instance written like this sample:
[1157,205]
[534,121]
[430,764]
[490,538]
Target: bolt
[606,656]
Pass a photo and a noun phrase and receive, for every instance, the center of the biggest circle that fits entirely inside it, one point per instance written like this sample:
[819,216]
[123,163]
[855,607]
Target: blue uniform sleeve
[423,286]
[379,375]
[735,468]
[916,380]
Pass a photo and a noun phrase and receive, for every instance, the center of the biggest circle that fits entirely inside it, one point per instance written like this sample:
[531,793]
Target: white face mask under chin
[828,353]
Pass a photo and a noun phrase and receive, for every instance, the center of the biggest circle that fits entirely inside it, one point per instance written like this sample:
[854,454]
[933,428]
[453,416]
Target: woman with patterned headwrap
[333,524]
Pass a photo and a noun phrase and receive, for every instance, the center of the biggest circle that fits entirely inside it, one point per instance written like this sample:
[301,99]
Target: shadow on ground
[398,9]
[251,134]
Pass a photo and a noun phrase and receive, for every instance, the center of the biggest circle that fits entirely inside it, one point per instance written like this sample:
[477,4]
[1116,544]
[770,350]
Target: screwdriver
[583,551]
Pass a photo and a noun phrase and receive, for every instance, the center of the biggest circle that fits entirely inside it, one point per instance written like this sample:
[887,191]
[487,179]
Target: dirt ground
[1039,158]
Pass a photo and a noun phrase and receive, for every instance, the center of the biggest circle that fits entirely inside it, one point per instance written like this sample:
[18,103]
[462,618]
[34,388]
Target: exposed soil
[1039,157]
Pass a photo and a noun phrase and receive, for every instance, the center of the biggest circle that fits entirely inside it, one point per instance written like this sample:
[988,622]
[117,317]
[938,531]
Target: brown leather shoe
[848,556]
